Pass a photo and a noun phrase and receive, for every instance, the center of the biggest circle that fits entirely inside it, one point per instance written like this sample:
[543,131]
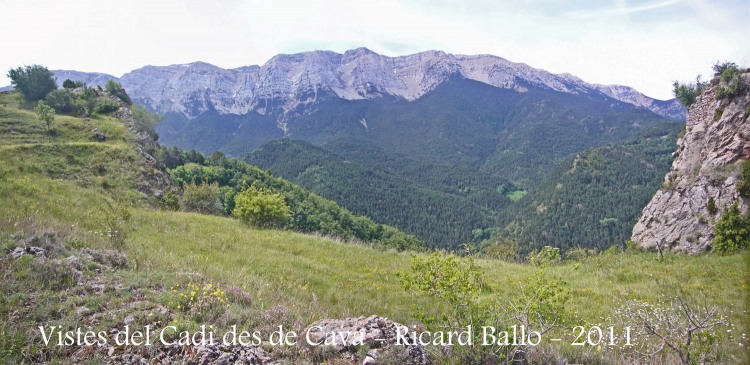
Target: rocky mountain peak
[359,52]
[706,167]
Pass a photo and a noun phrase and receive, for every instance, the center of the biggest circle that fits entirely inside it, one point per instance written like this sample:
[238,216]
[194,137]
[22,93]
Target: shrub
[730,81]
[504,249]
[63,101]
[393,238]
[261,208]
[117,223]
[743,183]
[115,88]
[720,67]
[457,281]
[538,306]
[46,114]
[677,328]
[203,198]
[170,201]
[34,82]
[226,195]
[578,254]
[687,93]
[146,121]
[712,209]
[105,106]
[732,231]
[202,302]
[545,256]
[69,84]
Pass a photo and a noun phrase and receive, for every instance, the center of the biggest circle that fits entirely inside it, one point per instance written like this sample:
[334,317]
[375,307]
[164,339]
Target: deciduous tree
[34,82]
[46,114]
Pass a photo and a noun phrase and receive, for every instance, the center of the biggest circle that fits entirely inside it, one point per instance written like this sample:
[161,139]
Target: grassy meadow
[278,277]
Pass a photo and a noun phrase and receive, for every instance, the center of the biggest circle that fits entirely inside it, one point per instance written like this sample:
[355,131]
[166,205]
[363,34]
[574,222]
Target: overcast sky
[645,44]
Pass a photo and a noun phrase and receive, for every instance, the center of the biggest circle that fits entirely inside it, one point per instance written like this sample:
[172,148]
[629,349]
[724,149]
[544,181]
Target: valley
[369,208]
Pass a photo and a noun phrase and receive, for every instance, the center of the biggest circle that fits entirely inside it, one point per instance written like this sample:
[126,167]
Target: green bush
[743,184]
[732,231]
[226,195]
[105,106]
[70,84]
[117,223]
[261,208]
[46,114]
[203,198]
[578,254]
[34,82]
[538,305]
[504,249]
[730,80]
[720,67]
[170,201]
[688,93]
[455,280]
[115,88]
[64,102]
[712,209]
[545,256]
[146,121]
[393,238]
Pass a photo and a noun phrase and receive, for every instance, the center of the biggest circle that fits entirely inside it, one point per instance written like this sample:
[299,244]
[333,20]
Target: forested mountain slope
[437,203]
[593,199]
[477,144]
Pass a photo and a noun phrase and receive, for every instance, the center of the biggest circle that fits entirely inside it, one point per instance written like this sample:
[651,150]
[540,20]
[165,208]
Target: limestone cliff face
[706,166]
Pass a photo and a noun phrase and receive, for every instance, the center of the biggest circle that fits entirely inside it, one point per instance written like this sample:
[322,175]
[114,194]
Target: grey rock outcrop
[154,179]
[288,81]
[378,333]
[706,167]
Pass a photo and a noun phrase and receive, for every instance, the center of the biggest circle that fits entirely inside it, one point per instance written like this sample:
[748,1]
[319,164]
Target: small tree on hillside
[743,184]
[732,230]
[46,114]
[688,93]
[731,83]
[688,329]
[261,207]
[116,89]
[203,198]
[34,82]
[69,84]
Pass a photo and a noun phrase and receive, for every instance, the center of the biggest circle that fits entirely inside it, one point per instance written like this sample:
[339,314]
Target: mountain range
[286,81]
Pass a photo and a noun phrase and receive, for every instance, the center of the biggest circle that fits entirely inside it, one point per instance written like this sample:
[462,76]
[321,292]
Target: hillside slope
[592,200]
[442,208]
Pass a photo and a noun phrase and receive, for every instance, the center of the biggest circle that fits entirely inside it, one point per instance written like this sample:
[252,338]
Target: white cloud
[644,44]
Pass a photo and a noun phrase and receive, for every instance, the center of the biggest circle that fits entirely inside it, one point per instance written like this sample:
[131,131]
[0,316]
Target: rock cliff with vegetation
[707,174]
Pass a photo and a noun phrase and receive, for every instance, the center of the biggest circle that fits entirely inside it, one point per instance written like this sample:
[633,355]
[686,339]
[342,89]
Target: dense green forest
[438,203]
[309,212]
[589,200]
[593,199]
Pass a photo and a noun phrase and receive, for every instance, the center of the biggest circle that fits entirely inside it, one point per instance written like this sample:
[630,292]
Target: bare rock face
[706,167]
